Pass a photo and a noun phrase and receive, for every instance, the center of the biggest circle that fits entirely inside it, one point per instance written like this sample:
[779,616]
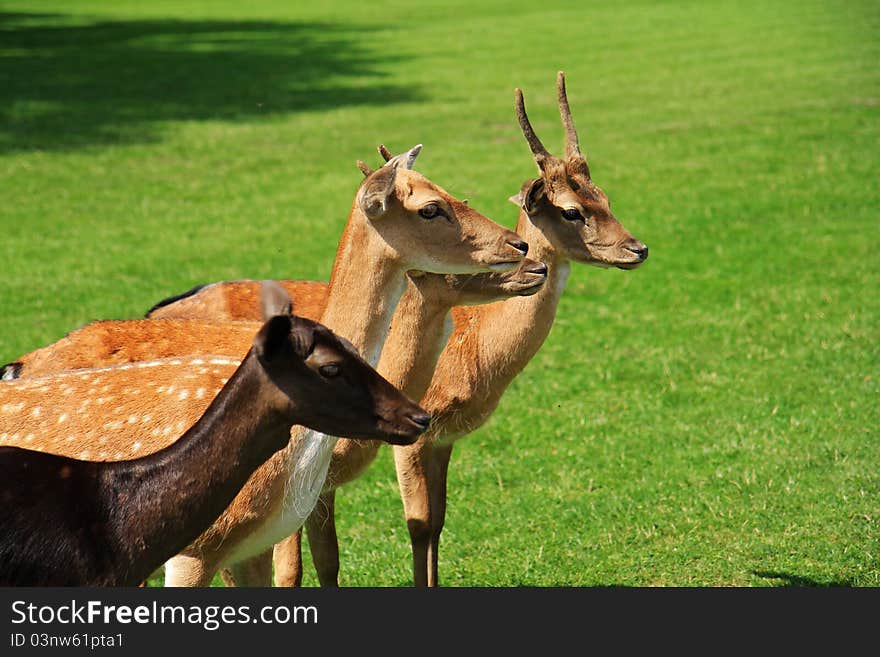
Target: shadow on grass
[788,579]
[68,82]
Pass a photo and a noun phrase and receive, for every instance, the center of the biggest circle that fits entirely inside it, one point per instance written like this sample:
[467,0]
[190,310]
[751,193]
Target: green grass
[710,419]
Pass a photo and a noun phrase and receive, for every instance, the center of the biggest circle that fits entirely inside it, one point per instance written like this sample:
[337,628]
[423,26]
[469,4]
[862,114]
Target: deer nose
[519,245]
[641,250]
[421,420]
[540,269]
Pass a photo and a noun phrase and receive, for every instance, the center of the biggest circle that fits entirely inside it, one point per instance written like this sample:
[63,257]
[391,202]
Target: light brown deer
[85,523]
[399,222]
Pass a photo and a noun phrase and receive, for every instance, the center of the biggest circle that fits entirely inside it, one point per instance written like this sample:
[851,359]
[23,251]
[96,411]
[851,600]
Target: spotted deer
[68,521]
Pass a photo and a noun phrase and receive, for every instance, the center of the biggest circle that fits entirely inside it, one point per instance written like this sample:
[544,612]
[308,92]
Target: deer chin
[508,265]
[399,431]
[528,289]
[629,265]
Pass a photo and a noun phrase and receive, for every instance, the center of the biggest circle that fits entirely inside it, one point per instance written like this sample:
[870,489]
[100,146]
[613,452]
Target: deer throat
[308,460]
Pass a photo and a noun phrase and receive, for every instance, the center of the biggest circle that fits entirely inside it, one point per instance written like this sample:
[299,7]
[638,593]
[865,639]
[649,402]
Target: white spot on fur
[62,418]
[36,412]
[132,419]
[29,438]
[84,455]
[183,395]
[135,447]
[200,393]
[12,408]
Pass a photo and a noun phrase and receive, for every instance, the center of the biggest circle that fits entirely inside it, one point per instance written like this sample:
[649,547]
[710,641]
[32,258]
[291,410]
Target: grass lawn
[710,419]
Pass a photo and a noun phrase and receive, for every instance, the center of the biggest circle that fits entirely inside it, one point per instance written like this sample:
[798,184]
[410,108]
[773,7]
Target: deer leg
[256,571]
[412,478]
[189,571]
[288,560]
[321,530]
[437,483]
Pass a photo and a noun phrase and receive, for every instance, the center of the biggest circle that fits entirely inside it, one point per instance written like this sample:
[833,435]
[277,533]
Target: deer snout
[519,245]
[420,419]
[641,250]
[410,424]
[513,245]
[539,269]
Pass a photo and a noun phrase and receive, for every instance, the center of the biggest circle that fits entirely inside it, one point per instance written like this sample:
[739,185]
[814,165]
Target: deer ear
[530,195]
[273,339]
[378,188]
[274,300]
[376,191]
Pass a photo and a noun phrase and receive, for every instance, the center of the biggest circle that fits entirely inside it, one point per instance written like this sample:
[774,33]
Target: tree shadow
[69,82]
[788,579]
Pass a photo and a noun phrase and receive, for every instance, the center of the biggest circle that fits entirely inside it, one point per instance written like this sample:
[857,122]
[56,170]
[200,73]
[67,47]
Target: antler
[572,149]
[384,152]
[541,154]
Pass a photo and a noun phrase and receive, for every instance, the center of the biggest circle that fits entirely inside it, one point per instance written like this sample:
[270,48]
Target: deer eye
[330,370]
[430,211]
[572,214]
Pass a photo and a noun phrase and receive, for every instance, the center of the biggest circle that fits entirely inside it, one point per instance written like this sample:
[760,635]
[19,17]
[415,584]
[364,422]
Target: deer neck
[177,492]
[365,287]
[418,333]
[512,331]
[366,284]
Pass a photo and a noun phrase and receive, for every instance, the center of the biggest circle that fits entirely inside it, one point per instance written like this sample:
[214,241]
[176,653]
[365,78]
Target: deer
[399,222]
[73,522]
